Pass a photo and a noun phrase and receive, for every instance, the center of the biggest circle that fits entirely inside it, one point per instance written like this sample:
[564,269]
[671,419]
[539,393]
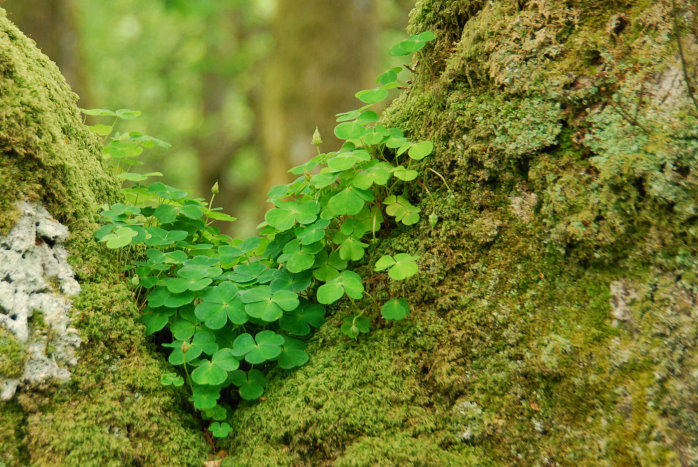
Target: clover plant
[232,309]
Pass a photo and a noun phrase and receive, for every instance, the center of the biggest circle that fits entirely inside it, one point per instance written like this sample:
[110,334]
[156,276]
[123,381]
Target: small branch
[684,66]
[442,179]
[626,116]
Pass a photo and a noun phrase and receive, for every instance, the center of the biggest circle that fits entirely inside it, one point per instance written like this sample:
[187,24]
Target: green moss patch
[12,355]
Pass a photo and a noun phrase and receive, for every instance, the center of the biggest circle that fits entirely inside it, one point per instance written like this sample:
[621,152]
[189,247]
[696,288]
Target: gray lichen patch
[32,258]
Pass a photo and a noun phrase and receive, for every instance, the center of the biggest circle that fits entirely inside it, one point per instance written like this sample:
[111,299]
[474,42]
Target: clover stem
[355,307]
[375,302]
[111,130]
[431,198]
[442,179]
[186,371]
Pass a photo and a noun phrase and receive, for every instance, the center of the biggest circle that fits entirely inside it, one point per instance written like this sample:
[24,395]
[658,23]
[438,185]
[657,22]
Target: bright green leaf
[395,309]
[349,130]
[220,430]
[421,150]
[371,96]
[209,374]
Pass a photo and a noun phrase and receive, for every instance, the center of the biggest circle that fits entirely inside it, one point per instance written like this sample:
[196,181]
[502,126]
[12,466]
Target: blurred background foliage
[236,86]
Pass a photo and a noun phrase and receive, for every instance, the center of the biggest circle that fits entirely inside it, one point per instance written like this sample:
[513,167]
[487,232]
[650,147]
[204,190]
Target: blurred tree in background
[323,52]
[53,25]
[236,86]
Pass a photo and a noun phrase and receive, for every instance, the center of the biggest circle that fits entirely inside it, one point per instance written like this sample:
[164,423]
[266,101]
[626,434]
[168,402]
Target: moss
[11,423]
[397,450]
[113,411]
[12,355]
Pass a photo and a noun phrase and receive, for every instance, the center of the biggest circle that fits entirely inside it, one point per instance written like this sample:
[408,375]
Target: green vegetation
[12,355]
[236,308]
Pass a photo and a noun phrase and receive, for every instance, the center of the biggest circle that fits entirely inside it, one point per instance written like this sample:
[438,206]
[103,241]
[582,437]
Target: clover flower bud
[317,140]
[433,219]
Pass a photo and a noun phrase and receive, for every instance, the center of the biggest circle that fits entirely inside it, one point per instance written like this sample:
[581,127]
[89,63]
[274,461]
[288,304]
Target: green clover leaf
[219,412]
[347,160]
[182,329]
[219,304]
[404,174]
[376,173]
[156,319]
[165,213]
[178,357]
[349,130]
[293,354]
[401,265]
[205,397]
[250,385]
[209,373]
[298,257]
[265,346]
[371,96]
[313,233]
[262,304]
[349,201]
[220,430]
[389,76]
[395,309]
[323,179]
[160,296]
[171,379]
[248,272]
[119,238]
[287,213]
[299,321]
[347,282]
[352,327]
[180,284]
[284,280]
[166,192]
[368,116]
[401,209]
[352,249]
[421,150]
[225,360]
[162,237]
[191,211]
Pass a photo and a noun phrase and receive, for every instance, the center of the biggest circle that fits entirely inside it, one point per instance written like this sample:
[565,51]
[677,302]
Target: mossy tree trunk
[113,411]
[554,318]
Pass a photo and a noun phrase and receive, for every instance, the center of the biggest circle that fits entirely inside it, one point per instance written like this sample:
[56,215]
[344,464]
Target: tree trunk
[322,54]
[111,409]
[53,26]
[554,318]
